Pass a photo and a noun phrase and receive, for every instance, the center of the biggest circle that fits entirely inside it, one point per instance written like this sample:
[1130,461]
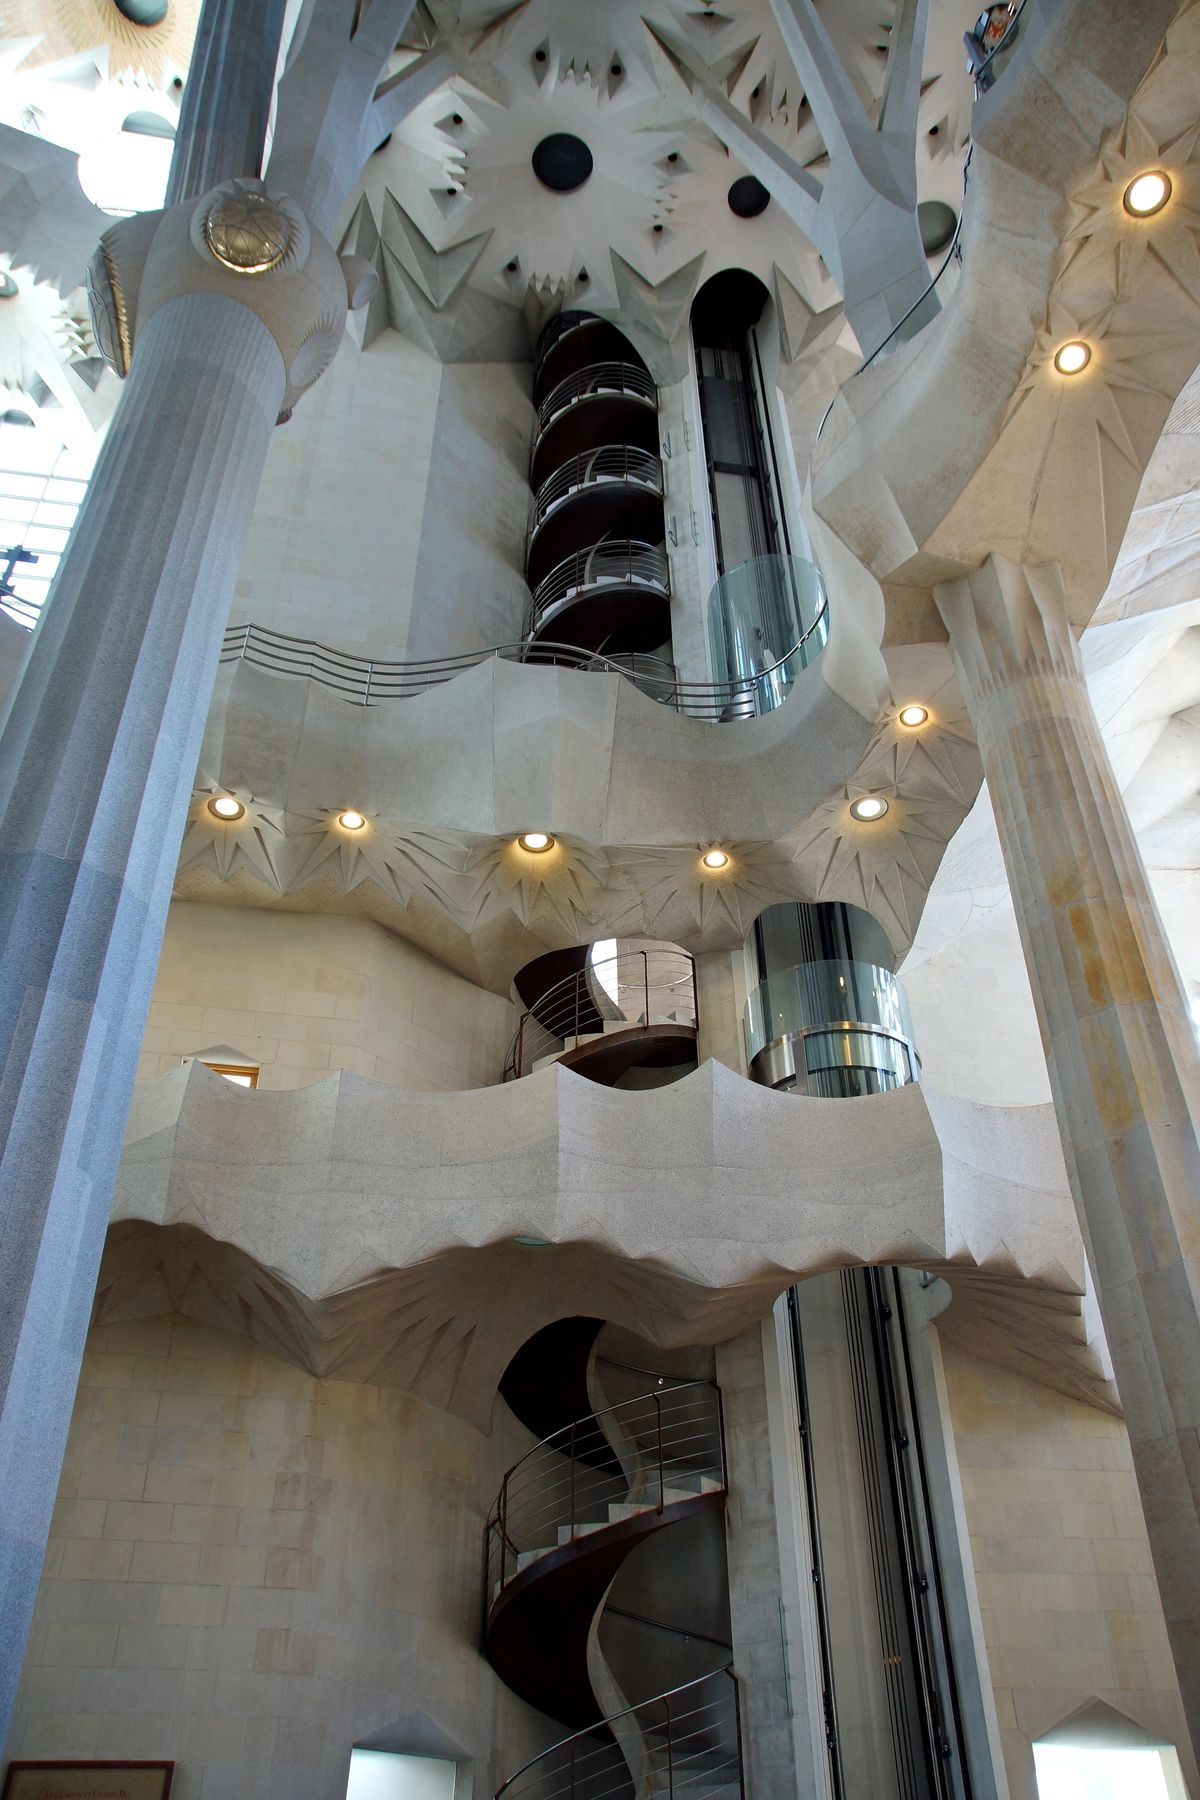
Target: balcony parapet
[481,1216]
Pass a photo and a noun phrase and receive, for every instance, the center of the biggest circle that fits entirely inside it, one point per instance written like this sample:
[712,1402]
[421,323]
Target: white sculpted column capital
[241,242]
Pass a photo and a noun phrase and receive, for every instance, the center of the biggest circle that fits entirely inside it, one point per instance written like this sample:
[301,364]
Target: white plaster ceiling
[459,181]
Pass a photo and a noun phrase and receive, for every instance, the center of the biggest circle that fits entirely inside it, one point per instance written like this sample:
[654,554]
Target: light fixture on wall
[350,820]
[715,859]
[1072,357]
[536,842]
[913,717]
[1147,193]
[226,808]
[869,809]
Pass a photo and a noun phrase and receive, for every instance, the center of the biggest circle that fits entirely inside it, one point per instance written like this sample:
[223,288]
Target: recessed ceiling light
[351,820]
[715,859]
[226,807]
[912,716]
[536,842]
[1147,194]
[869,808]
[1070,358]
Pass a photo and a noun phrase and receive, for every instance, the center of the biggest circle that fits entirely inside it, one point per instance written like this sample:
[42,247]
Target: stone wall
[250,1570]
[304,994]
[390,521]
[332,553]
[469,584]
[1068,1598]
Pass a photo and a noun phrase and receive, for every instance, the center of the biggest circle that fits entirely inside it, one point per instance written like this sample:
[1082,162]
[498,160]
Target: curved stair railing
[566,1488]
[693,1748]
[605,378]
[624,563]
[655,1006]
[364,681]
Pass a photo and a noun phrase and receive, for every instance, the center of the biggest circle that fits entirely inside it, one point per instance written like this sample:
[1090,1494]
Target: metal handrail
[560,325]
[675,1706]
[363,681]
[585,384]
[555,1017]
[592,468]
[614,562]
[553,1494]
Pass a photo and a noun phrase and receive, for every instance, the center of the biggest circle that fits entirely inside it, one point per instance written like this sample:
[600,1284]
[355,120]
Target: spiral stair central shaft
[600,1482]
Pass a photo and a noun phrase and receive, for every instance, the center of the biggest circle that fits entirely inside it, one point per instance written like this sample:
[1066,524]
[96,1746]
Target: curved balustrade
[589,585]
[643,1001]
[622,463]
[362,681]
[672,1449]
[572,341]
[767,619]
[620,378]
[832,1029]
[693,1739]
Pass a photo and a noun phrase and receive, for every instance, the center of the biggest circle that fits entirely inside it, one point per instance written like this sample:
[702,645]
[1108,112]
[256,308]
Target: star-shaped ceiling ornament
[255,841]
[1104,247]
[555,891]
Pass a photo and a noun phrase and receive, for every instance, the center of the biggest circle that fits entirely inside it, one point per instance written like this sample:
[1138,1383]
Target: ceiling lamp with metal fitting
[351,820]
[536,842]
[1147,194]
[1072,357]
[715,859]
[870,808]
[226,808]
[913,716]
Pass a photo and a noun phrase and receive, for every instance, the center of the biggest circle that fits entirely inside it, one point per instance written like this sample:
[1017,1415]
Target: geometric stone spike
[653,314]
[440,274]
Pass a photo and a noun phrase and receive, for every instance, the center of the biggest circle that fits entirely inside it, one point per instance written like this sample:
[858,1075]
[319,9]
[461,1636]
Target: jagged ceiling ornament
[560,890]
[885,866]
[47,224]
[256,843]
[674,896]
[407,862]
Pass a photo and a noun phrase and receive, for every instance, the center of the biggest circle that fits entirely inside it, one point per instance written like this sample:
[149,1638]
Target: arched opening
[747,516]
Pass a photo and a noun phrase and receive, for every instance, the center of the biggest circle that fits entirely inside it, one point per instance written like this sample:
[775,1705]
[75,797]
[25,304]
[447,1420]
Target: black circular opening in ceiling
[937,222]
[562,163]
[142,12]
[748,197]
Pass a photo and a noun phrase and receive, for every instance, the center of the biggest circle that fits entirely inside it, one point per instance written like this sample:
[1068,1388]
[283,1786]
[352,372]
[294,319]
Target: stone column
[97,759]
[223,120]
[721,1003]
[1119,1044]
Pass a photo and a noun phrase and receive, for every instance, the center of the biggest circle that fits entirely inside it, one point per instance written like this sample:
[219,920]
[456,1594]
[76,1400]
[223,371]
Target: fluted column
[1119,1045]
[97,759]
[223,120]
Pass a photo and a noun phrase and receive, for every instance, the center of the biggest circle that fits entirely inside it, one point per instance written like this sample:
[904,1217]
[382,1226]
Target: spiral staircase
[566,1517]
[636,1009]
[595,555]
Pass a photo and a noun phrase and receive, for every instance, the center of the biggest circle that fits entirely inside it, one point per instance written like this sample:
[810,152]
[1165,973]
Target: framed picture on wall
[88,1781]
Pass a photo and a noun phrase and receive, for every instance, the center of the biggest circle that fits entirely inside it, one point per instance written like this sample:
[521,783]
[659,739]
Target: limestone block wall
[250,1570]
[332,552]
[469,588]
[390,521]
[973,1019]
[305,994]
[1067,1595]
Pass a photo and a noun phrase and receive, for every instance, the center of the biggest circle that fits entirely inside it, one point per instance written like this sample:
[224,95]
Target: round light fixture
[1147,194]
[869,808]
[247,232]
[536,842]
[1072,357]
[351,820]
[226,807]
[748,197]
[913,716]
[715,859]
[562,162]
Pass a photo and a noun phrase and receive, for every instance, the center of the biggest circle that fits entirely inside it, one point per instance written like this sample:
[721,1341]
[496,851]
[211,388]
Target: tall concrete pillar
[223,313]
[1119,1045]
[223,120]
[97,759]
